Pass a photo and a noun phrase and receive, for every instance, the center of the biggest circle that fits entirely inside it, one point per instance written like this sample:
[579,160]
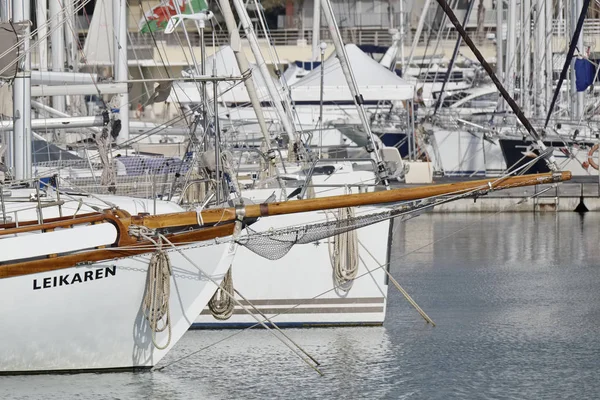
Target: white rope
[221,305]
[156,299]
[344,252]
[155,305]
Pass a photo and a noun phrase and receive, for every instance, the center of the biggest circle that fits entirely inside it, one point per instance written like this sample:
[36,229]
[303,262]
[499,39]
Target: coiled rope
[156,299]
[344,252]
[222,303]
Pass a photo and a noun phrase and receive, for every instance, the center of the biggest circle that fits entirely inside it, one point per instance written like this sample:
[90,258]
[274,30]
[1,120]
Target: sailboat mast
[526,60]
[500,46]
[41,10]
[540,57]
[7,138]
[401,29]
[572,86]
[511,45]
[70,32]
[74,103]
[57,41]
[549,78]
[578,97]
[22,99]
[316,30]
[121,62]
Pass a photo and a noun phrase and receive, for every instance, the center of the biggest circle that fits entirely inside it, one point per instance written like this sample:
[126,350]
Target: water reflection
[515,297]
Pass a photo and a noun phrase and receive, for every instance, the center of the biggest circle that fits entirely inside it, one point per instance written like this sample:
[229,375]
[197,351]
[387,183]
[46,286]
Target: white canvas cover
[98,46]
[375,82]
[229,92]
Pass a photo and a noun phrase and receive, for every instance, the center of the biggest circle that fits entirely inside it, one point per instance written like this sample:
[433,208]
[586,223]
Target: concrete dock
[580,194]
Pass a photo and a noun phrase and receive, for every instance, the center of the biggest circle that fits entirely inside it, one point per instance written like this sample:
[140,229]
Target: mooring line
[400,288]
[307,361]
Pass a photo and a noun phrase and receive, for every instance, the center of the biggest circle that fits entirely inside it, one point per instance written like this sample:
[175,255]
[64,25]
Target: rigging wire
[571,52]
[384,266]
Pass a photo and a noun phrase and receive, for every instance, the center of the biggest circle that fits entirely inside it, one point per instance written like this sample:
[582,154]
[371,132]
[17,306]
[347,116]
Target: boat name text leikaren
[70,279]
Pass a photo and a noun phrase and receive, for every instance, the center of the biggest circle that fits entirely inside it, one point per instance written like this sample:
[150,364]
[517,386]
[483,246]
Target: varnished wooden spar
[127,245]
[352,200]
[135,248]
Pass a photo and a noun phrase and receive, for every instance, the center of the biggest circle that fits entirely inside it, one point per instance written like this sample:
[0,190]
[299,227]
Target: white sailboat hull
[90,317]
[462,153]
[298,289]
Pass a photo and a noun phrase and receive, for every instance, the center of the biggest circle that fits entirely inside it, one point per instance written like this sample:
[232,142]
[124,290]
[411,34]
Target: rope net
[276,243]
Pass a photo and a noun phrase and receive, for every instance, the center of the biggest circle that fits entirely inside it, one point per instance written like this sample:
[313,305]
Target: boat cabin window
[483,101]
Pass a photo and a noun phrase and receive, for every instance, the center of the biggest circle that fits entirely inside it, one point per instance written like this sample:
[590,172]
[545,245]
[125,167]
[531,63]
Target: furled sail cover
[98,46]
[11,48]
[375,82]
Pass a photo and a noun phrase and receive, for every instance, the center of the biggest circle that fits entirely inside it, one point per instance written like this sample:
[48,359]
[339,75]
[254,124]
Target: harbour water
[515,298]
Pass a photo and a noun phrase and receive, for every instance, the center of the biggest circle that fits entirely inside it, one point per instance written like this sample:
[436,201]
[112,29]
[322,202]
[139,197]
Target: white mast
[21,100]
[511,45]
[401,28]
[572,87]
[7,138]
[549,55]
[526,54]
[70,27]
[41,9]
[540,57]
[274,94]
[499,47]
[121,69]
[578,8]
[57,41]
[316,30]
[71,38]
